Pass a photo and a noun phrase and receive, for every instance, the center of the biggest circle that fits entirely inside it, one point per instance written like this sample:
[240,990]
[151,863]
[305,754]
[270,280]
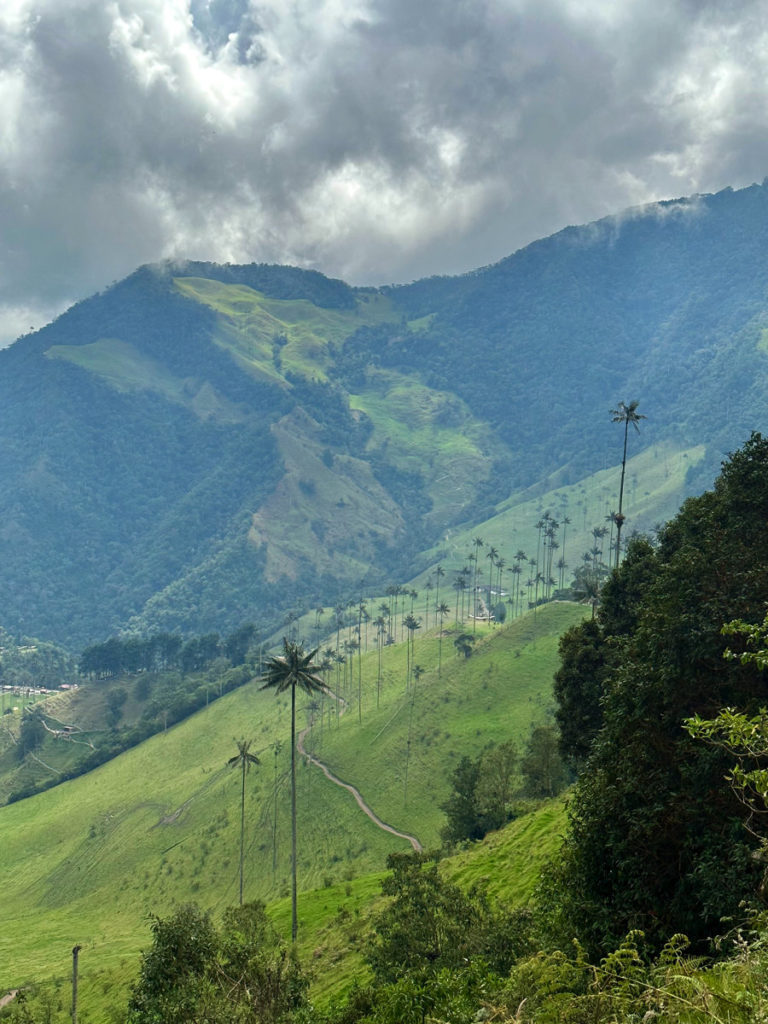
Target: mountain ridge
[171,445]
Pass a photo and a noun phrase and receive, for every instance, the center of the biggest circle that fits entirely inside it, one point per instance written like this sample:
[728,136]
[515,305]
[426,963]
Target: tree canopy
[656,839]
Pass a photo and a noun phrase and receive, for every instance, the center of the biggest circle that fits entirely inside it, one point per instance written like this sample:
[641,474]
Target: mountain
[202,445]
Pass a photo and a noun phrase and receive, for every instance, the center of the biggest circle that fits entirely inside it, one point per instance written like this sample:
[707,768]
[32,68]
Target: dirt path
[8,998]
[350,788]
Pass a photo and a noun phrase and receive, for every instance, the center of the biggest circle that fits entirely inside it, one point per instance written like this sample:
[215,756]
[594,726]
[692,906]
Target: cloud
[378,140]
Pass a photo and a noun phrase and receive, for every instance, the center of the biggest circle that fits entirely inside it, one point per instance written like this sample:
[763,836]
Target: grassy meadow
[90,860]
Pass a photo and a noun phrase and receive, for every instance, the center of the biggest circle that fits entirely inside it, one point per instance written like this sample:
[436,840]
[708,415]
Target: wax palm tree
[318,615]
[516,572]
[381,631]
[294,667]
[500,566]
[566,522]
[491,554]
[553,546]
[625,414]
[519,558]
[562,565]
[459,584]
[439,573]
[277,746]
[478,542]
[441,610]
[245,759]
[411,623]
[386,611]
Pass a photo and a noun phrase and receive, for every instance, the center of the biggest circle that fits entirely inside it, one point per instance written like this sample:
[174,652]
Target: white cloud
[378,140]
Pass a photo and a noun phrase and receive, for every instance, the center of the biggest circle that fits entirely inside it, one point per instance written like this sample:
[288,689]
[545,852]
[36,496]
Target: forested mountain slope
[202,445]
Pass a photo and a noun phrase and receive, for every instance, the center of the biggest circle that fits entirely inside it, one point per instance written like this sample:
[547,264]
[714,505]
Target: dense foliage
[486,791]
[196,973]
[656,840]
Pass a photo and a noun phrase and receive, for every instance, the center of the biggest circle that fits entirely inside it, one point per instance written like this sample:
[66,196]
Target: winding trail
[8,998]
[348,786]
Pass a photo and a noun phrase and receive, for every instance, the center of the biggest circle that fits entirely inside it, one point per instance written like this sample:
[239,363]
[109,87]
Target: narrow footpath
[350,788]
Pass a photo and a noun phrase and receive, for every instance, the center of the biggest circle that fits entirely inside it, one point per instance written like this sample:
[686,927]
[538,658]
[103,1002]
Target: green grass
[654,490]
[428,432]
[88,861]
[124,368]
[249,323]
[507,863]
[333,516]
[494,695]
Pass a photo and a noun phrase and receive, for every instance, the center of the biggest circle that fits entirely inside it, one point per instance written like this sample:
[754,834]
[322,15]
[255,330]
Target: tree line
[163,652]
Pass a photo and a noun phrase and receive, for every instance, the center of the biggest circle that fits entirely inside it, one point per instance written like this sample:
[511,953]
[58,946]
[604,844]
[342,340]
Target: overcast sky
[375,140]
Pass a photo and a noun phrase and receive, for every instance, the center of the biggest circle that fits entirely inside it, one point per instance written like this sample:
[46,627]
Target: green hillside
[159,824]
[202,445]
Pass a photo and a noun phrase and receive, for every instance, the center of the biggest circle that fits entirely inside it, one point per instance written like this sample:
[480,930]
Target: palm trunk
[274,825]
[619,516]
[294,909]
[242,833]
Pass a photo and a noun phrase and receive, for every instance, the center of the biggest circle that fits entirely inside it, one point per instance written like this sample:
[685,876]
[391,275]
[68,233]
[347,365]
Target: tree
[277,747]
[542,767]
[625,414]
[236,645]
[380,623]
[743,736]
[439,573]
[31,733]
[430,925]
[411,624]
[655,840]
[460,808]
[491,554]
[482,793]
[196,973]
[441,610]
[174,979]
[464,644]
[287,671]
[244,758]
[500,612]
[497,783]
[478,543]
[579,688]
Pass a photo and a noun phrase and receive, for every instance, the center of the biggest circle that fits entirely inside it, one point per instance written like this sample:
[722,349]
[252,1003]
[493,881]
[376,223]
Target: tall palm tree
[439,573]
[411,623]
[318,615]
[500,566]
[245,759]
[491,554]
[519,558]
[381,631]
[516,572]
[294,667]
[625,414]
[277,746]
[459,585]
[441,611]
[478,542]
[566,522]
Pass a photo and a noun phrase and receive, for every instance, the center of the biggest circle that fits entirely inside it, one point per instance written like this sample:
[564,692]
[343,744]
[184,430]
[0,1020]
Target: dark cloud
[379,140]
